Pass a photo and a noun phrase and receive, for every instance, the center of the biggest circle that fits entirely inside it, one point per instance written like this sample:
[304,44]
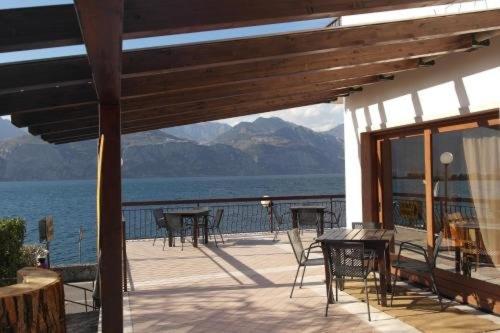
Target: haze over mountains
[266,146]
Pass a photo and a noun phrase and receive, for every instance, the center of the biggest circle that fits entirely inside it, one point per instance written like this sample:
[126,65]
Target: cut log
[34,304]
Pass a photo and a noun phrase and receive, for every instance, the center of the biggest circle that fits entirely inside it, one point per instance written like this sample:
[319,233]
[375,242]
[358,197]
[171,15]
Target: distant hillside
[280,147]
[263,147]
[9,131]
[337,131]
[201,133]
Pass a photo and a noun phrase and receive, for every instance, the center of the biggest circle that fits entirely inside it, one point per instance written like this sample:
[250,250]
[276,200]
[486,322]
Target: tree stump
[34,304]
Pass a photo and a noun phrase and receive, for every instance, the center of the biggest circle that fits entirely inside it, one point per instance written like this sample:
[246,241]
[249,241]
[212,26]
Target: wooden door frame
[377,195]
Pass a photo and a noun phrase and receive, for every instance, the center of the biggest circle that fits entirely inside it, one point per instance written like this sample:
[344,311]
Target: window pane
[409,192]
[467,195]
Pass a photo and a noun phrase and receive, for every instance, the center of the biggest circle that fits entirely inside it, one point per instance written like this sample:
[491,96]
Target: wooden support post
[384,176]
[110,219]
[429,195]
[369,178]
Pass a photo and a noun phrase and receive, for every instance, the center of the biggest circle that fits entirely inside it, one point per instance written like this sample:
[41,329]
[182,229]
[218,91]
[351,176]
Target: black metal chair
[333,218]
[347,259]
[302,255]
[308,219]
[176,227]
[214,225]
[160,224]
[279,222]
[424,267]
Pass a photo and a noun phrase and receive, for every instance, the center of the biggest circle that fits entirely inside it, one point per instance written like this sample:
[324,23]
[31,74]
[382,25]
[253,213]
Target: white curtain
[482,157]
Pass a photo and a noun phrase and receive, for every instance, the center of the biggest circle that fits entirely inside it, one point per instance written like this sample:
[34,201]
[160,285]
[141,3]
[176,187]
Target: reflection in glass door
[408,191]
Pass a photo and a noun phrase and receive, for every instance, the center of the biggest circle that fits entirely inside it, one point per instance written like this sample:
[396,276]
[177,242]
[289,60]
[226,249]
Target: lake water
[72,203]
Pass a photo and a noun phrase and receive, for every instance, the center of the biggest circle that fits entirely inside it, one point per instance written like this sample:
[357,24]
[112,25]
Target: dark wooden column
[384,168]
[101,24]
[368,158]
[429,194]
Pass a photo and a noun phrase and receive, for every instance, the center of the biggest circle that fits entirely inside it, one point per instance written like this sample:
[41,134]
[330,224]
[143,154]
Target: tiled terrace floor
[242,286]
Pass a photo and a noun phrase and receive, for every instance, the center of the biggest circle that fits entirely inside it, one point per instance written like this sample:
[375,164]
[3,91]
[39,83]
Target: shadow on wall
[449,72]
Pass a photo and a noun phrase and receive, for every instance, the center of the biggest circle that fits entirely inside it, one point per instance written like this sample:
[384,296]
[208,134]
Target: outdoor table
[194,214]
[377,240]
[320,210]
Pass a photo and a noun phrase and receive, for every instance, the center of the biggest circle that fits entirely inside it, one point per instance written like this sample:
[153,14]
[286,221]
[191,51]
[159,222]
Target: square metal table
[377,240]
[319,210]
[194,214]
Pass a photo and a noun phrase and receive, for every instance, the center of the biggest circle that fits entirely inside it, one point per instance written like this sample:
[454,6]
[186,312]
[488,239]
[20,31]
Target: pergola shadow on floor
[244,286]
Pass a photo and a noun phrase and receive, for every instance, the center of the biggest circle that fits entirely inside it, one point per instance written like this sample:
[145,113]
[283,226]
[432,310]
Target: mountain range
[266,146]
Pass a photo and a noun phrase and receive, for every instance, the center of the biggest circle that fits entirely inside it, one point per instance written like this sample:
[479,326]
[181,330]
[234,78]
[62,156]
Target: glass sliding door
[466,168]
[408,191]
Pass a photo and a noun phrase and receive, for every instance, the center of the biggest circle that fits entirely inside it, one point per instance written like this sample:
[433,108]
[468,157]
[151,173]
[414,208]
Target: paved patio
[242,286]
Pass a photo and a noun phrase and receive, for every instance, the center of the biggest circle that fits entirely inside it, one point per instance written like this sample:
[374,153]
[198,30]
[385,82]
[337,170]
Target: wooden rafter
[202,83]
[49,73]
[281,82]
[40,27]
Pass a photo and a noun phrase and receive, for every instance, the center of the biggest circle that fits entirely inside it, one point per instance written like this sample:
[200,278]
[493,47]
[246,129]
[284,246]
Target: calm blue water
[72,203]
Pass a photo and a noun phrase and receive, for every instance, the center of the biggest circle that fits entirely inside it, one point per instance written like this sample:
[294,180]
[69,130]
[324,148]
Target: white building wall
[457,84]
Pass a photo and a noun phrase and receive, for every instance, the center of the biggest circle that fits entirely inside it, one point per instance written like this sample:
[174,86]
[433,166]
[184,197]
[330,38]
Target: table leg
[295,220]
[205,229]
[170,239]
[195,231]
[382,273]
[331,299]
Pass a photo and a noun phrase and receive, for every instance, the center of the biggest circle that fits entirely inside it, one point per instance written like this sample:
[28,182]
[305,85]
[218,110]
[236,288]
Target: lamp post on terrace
[446,158]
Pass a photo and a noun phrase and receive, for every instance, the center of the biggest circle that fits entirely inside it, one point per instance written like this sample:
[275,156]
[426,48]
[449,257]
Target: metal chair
[176,227]
[280,223]
[333,218]
[214,225]
[301,255]
[427,267]
[347,259]
[160,224]
[310,219]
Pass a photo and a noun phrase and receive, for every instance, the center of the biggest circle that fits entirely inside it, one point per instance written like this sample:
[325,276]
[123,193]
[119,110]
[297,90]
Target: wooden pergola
[109,92]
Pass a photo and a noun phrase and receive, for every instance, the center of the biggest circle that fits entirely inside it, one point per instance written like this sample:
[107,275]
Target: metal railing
[442,206]
[241,215]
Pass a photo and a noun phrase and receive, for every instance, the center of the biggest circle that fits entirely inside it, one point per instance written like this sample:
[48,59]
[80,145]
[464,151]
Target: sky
[317,117]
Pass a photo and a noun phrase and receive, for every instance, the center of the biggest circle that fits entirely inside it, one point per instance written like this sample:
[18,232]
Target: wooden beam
[308,42]
[193,116]
[157,84]
[182,79]
[48,26]
[144,112]
[231,88]
[47,99]
[101,25]
[165,59]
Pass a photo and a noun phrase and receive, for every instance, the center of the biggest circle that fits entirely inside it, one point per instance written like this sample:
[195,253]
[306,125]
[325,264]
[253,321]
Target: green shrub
[12,231]
[30,253]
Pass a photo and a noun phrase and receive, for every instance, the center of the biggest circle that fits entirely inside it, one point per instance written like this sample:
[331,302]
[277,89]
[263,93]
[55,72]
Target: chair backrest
[296,243]
[218,217]
[173,221]
[365,225]
[346,259]
[159,218]
[308,218]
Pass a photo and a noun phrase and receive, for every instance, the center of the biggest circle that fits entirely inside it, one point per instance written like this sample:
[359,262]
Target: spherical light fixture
[265,203]
[446,158]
